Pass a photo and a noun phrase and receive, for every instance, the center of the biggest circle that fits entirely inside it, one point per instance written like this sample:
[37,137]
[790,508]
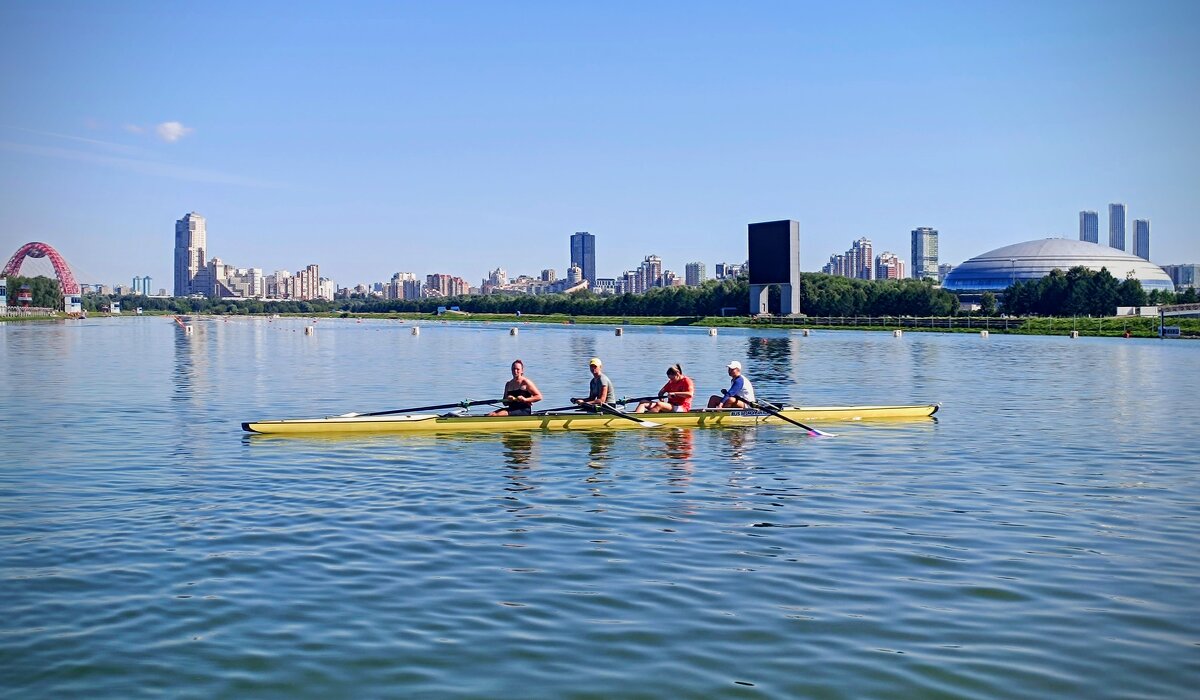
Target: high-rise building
[583,254]
[693,274]
[191,244]
[404,285]
[925,253]
[1089,226]
[309,282]
[943,270]
[649,273]
[864,259]
[858,262]
[1184,276]
[1141,238]
[1116,226]
[889,266]
[549,275]
[438,284]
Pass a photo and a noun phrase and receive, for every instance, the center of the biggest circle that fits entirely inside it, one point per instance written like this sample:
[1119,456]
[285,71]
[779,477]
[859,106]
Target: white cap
[734,365]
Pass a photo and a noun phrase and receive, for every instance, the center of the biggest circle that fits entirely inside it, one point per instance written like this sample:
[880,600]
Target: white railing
[28,311]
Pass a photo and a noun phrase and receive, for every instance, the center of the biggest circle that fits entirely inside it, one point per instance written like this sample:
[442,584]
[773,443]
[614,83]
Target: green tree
[1130,293]
[47,293]
[987,304]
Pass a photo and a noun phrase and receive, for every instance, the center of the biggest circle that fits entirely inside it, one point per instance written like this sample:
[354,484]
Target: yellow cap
[595,361]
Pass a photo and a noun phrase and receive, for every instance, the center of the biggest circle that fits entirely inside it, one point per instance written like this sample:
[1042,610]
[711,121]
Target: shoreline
[1107,327]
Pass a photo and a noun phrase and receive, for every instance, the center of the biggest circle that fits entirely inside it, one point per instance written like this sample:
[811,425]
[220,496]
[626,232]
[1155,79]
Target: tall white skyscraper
[191,245]
[1089,226]
[925,253]
[1116,226]
[1141,238]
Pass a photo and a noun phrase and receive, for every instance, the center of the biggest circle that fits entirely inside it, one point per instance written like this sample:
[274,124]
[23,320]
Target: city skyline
[524,121]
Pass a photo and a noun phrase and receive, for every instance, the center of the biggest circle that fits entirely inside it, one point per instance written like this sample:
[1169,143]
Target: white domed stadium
[995,270]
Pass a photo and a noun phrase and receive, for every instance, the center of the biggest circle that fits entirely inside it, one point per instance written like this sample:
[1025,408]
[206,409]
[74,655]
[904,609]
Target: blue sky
[456,137]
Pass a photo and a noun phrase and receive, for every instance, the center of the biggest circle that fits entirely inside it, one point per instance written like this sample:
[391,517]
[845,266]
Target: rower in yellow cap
[600,389]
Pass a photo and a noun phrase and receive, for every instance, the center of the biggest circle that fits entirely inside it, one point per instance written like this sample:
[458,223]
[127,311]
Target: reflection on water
[771,364]
[518,448]
[679,444]
[740,441]
[599,443]
[189,362]
[583,348]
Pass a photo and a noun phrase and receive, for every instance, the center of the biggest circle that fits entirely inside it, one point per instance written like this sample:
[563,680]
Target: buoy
[712,331]
[805,332]
[187,330]
[983,334]
[897,333]
[620,331]
[1074,334]
[512,331]
[416,330]
[308,330]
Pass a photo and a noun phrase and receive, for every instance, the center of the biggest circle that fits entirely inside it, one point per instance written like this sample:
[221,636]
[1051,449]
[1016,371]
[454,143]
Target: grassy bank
[1102,327]
[1115,326]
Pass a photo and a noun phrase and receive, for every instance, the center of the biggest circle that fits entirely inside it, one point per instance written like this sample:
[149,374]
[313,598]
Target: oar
[560,409]
[576,407]
[767,409]
[607,408]
[461,404]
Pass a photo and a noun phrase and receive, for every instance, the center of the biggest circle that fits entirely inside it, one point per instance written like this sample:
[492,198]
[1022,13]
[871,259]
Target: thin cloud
[134,129]
[144,167]
[172,131]
[109,145]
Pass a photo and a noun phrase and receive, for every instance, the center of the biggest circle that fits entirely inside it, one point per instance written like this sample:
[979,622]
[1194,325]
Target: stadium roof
[995,270]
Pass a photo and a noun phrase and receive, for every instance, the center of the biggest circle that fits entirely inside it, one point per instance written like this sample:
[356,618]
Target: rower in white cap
[739,386]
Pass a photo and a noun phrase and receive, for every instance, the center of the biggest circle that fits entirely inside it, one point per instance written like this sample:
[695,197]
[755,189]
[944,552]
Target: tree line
[1076,292]
[1083,292]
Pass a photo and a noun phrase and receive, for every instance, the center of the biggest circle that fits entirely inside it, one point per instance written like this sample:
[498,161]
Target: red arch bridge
[66,278]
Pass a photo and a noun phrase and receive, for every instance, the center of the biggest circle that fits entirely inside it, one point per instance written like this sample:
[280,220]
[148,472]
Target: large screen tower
[775,260]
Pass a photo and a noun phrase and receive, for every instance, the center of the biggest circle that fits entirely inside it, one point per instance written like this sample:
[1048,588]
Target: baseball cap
[595,361]
[734,365]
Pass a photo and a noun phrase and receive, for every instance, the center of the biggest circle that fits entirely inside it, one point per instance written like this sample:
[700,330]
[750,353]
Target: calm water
[1039,539]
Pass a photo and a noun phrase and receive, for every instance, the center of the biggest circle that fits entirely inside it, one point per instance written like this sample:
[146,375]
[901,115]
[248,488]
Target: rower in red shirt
[677,392]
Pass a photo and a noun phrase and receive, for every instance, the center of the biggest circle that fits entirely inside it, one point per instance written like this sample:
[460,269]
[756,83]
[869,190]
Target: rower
[520,393]
[600,389]
[674,397]
[738,386]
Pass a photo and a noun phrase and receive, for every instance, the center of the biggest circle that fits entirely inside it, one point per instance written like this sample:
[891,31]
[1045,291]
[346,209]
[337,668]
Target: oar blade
[606,408]
[767,409]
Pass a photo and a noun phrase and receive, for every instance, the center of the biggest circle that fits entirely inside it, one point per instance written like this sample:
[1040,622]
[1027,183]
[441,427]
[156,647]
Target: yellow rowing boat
[572,420]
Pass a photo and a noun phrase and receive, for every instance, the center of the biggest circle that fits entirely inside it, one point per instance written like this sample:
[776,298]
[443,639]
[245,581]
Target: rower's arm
[534,394]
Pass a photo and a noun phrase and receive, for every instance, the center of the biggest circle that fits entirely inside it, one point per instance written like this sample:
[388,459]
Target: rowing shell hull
[432,423]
